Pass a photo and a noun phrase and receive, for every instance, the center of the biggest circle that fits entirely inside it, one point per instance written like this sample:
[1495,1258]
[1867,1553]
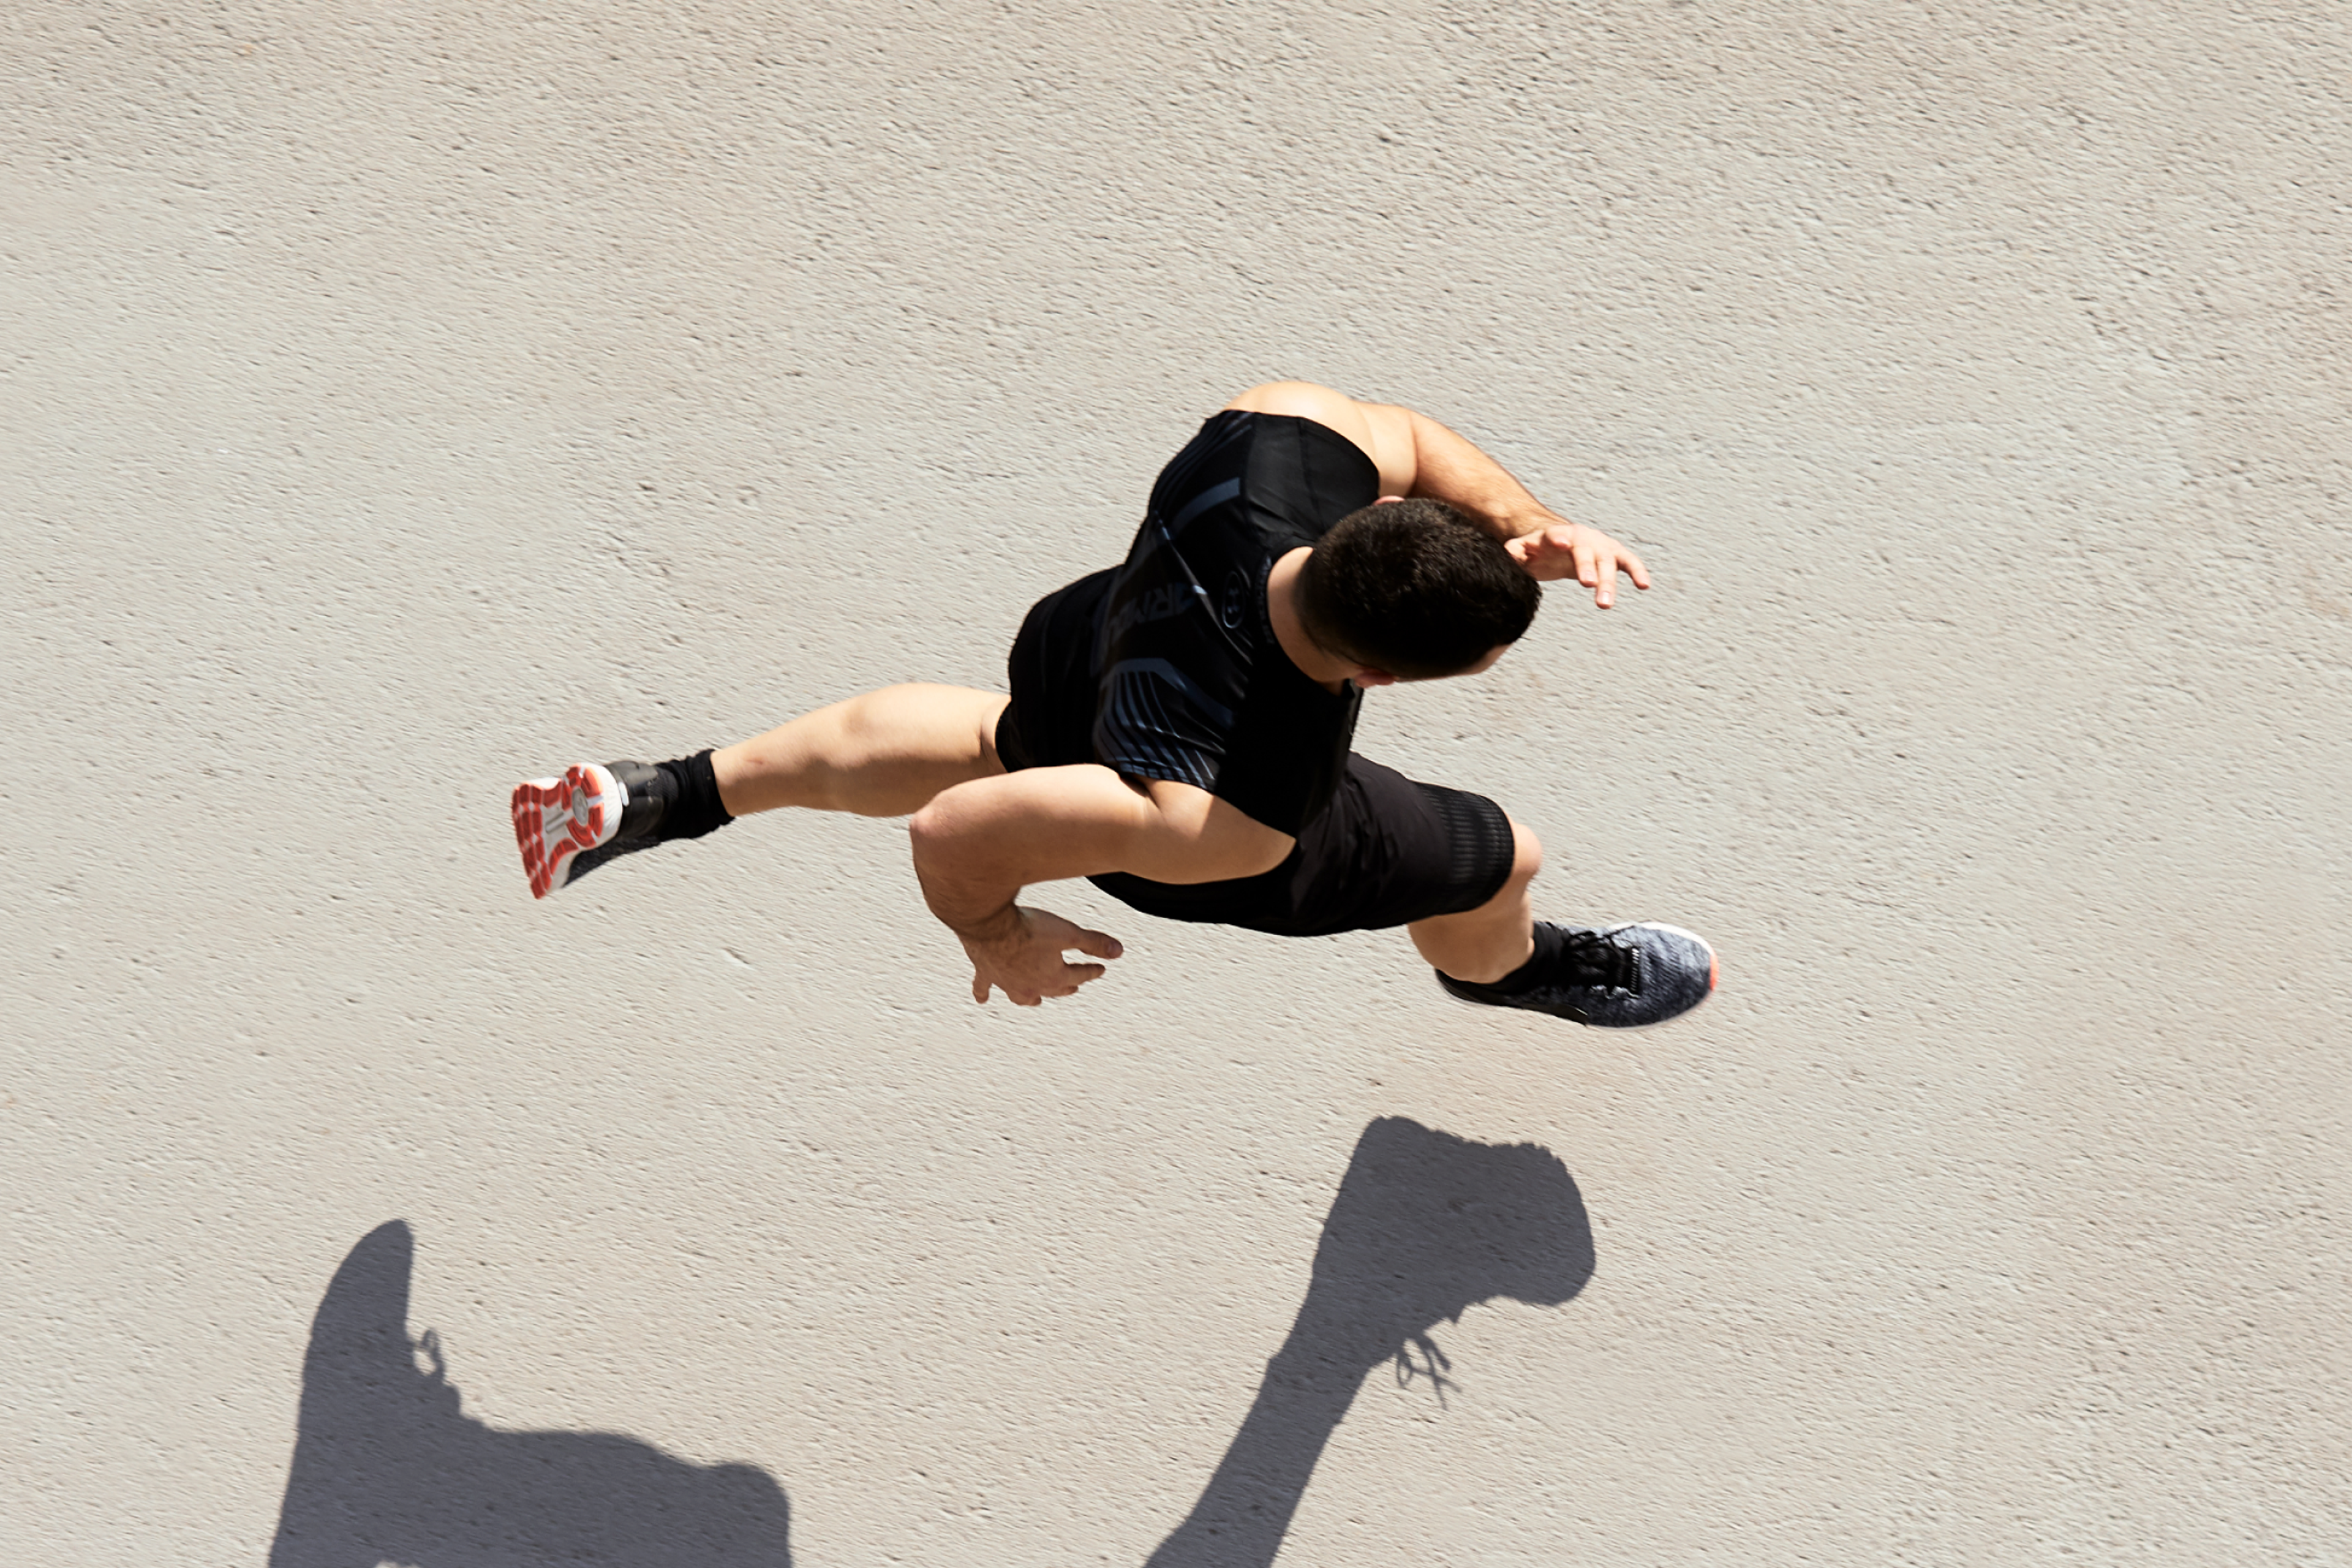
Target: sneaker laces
[1589,958]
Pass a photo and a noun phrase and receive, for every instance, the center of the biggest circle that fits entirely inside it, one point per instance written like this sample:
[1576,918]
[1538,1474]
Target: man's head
[1415,590]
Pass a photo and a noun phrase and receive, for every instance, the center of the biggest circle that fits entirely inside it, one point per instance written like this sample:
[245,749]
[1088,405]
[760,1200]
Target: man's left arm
[1416,456]
[1444,467]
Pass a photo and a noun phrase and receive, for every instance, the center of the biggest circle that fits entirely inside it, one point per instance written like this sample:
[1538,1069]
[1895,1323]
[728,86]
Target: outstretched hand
[1020,953]
[1554,552]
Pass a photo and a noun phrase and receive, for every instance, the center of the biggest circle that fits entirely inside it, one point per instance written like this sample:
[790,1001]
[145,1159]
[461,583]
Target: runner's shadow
[387,1470]
[1425,1224]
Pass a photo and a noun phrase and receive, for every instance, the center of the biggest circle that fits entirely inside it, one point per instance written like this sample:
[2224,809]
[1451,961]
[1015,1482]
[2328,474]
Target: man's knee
[1526,860]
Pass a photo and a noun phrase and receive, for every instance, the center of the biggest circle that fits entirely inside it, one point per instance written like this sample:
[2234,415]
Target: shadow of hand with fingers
[387,1470]
[1425,1224]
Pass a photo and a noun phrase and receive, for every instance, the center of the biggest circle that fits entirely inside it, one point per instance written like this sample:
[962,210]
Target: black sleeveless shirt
[1190,684]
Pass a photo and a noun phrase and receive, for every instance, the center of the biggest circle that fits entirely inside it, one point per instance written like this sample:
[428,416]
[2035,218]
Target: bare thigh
[885,753]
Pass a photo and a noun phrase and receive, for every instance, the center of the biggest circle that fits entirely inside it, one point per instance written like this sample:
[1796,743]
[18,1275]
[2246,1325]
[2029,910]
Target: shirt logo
[1237,597]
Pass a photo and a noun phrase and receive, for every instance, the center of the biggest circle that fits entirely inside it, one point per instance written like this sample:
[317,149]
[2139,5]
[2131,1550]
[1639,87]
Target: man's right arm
[978,845]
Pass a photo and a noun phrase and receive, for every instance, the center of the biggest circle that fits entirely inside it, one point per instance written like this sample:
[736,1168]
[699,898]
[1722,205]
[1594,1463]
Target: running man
[1179,727]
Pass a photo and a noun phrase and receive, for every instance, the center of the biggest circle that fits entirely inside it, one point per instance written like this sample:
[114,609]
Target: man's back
[1190,684]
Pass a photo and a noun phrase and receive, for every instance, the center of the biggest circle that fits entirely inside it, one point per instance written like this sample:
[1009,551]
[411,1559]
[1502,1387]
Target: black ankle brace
[676,799]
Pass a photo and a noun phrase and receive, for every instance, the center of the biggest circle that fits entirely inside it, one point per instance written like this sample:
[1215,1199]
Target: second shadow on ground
[388,1470]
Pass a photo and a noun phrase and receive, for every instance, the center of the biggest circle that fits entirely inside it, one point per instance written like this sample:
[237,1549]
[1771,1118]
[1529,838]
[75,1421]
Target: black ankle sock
[696,809]
[1527,976]
[669,800]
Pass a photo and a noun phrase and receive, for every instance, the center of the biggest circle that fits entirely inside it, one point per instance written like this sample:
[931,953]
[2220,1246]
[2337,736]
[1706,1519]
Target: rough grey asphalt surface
[393,406]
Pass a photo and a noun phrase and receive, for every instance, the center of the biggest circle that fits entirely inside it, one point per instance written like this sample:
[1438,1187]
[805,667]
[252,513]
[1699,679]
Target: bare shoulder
[1304,400]
[1382,432]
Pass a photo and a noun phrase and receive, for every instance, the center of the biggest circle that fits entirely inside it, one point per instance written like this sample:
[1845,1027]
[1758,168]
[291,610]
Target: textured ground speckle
[393,406]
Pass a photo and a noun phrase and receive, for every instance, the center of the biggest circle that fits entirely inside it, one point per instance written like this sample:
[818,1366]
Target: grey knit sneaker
[1624,977]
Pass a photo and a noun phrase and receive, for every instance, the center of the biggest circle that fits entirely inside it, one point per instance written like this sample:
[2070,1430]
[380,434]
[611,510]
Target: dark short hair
[1414,588]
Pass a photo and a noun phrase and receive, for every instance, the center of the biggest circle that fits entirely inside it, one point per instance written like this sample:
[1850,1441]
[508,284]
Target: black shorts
[1387,851]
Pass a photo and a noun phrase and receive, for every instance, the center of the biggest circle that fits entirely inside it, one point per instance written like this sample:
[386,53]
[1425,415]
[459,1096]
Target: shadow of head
[386,1468]
[1427,1224]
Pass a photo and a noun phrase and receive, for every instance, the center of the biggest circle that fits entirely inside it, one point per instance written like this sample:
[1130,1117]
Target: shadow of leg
[1425,1224]
[386,1470]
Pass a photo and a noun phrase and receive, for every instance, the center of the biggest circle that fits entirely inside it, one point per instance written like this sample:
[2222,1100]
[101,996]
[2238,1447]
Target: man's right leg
[885,753]
[1464,847]
[1484,944]
[1624,976]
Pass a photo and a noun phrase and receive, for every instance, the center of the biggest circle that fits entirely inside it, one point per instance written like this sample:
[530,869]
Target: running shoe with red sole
[558,820]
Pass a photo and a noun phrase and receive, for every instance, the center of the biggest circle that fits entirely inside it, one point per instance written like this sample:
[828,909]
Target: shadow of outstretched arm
[1425,1224]
[386,1470]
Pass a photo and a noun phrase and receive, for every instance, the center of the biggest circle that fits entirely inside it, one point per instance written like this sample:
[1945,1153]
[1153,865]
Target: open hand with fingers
[1020,953]
[1558,550]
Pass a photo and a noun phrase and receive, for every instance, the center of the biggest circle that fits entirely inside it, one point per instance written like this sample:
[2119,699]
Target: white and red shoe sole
[555,819]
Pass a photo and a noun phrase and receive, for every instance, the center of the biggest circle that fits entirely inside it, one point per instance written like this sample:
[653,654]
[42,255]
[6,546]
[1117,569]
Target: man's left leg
[884,753]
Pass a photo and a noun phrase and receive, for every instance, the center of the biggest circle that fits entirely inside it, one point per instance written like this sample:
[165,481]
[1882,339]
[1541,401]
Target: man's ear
[1365,680]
